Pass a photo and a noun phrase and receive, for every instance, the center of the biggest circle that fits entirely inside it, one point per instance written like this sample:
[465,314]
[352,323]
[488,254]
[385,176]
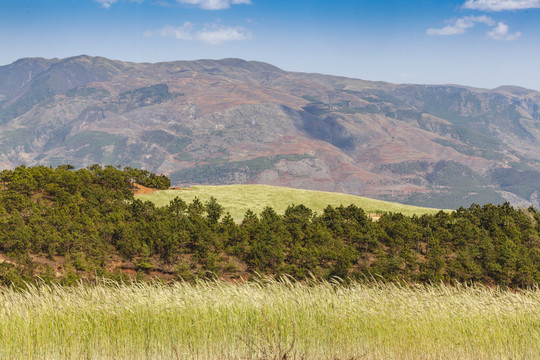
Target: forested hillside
[63,224]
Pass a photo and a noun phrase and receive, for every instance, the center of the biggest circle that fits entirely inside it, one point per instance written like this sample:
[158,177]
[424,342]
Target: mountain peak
[515,90]
[237,121]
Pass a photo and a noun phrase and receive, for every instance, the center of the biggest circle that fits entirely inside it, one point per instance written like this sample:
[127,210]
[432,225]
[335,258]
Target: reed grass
[268,320]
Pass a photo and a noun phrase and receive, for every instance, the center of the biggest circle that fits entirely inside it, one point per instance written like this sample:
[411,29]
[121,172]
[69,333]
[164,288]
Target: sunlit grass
[217,320]
[237,199]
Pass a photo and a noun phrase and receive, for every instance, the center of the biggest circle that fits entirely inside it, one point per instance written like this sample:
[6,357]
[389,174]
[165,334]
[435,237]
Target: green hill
[61,225]
[237,199]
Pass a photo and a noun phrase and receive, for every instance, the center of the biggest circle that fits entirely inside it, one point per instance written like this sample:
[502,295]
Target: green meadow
[237,199]
[268,320]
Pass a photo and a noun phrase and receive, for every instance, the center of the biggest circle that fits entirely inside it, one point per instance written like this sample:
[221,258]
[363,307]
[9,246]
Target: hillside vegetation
[237,199]
[63,224]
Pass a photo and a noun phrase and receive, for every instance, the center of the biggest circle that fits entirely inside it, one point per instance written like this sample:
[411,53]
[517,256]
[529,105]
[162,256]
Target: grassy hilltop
[237,199]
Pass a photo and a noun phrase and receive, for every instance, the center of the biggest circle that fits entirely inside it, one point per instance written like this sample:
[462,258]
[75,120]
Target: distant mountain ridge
[235,121]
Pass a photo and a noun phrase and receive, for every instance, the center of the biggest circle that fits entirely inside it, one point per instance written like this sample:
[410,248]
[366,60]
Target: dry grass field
[268,320]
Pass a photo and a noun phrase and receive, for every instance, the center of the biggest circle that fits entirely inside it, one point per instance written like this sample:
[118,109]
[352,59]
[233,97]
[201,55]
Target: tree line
[89,217]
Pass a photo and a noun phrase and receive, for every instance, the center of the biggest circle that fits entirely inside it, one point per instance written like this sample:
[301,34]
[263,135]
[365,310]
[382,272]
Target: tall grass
[237,199]
[268,320]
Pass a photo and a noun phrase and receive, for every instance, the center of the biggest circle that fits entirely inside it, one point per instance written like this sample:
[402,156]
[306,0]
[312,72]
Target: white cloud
[214,4]
[223,34]
[184,32]
[214,35]
[461,25]
[106,3]
[203,4]
[500,5]
[500,32]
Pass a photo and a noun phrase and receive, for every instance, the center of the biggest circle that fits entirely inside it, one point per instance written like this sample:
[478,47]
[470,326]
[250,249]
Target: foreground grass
[216,320]
[237,199]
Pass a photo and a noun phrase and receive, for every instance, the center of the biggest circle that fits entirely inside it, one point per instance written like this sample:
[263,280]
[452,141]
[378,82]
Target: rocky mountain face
[235,121]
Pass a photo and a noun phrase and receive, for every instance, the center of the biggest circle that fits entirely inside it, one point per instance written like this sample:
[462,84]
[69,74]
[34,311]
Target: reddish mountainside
[234,121]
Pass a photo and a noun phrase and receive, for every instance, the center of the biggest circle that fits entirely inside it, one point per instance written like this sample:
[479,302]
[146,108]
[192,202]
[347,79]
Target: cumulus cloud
[214,4]
[500,32]
[461,25]
[501,5]
[214,34]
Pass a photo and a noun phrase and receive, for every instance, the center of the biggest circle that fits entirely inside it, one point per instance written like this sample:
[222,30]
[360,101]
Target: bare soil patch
[139,189]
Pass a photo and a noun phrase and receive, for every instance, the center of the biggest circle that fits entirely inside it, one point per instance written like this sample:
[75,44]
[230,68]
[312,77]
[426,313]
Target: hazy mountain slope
[233,121]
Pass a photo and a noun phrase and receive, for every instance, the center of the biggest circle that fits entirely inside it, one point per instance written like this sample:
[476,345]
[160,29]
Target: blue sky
[483,43]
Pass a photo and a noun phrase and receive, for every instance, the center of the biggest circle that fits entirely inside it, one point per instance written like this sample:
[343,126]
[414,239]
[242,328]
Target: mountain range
[233,121]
